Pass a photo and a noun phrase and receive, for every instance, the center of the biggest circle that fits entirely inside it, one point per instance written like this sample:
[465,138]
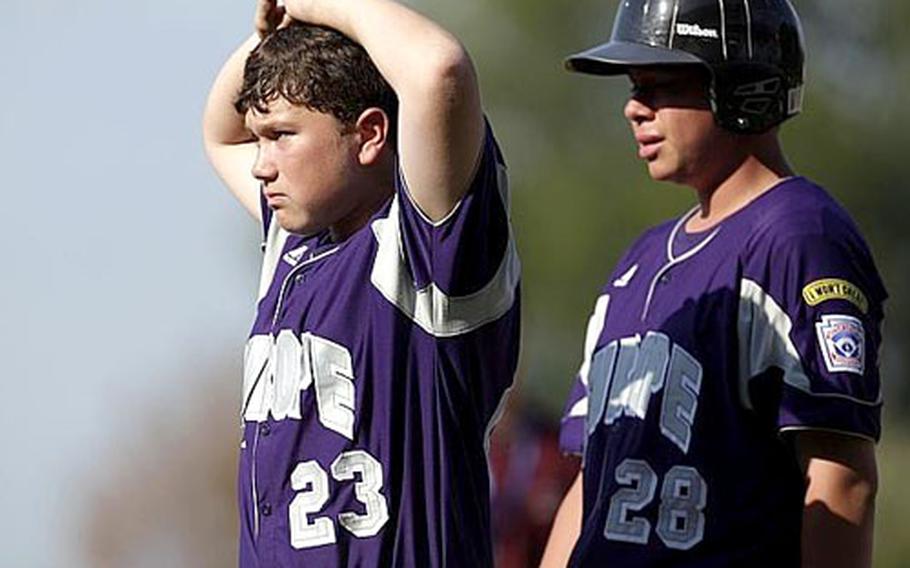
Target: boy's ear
[372,130]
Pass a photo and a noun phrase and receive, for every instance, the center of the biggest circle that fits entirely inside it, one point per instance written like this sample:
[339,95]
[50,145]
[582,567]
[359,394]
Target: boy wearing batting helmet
[729,399]
[386,331]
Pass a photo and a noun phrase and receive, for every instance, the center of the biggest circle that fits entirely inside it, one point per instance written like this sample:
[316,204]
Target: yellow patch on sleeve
[835,289]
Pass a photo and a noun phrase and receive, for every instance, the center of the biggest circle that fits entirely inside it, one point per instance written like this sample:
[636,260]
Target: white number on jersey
[366,490]
[309,479]
[312,485]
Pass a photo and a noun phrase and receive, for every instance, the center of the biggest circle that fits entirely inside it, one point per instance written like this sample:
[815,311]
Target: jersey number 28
[681,518]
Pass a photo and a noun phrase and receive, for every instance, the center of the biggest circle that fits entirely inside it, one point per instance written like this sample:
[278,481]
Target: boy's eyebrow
[259,126]
[267,122]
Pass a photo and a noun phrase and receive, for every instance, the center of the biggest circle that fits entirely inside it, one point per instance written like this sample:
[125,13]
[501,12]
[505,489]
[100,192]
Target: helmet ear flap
[749,99]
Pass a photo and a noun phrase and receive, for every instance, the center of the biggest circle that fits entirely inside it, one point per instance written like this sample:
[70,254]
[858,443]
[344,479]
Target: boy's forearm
[839,510]
[838,526]
[221,124]
[229,146]
[409,49]
[566,528]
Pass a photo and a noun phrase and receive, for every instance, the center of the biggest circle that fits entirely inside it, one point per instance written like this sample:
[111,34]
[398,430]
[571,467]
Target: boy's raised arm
[228,144]
[441,128]
[230,147]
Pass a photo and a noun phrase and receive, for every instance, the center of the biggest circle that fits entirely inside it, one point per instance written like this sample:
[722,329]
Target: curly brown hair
[318,68]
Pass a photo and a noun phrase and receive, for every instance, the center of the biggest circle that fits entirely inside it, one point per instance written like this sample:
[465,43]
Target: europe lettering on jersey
[624,375]
[628,371]
[277,371]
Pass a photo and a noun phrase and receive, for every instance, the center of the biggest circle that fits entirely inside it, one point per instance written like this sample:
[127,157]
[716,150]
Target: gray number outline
[618,526]
[671,502]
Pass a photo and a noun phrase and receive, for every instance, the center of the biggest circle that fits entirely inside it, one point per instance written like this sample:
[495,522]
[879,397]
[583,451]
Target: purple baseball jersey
[373,374]
[702,352]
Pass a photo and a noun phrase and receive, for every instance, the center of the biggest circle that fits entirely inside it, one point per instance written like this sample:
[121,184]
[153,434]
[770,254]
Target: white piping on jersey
[274,244]
[764,342]
[503,186]
[674,260]
[832,430]
[723,28]
[495,418]
[488,431]
[592,334]
[748,26]
[430,308]
[424,216]
[292,273]
[253,483]
[580,408]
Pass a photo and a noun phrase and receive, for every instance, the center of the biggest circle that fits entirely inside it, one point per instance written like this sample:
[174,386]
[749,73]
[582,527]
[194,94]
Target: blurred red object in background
[530,477]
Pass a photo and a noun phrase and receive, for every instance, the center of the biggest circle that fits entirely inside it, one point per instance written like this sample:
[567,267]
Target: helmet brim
[615,58]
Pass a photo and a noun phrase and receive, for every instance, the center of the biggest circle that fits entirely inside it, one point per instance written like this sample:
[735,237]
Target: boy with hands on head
[386,331]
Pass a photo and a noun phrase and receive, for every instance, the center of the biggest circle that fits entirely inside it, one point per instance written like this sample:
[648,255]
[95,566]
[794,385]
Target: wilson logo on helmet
[694,30]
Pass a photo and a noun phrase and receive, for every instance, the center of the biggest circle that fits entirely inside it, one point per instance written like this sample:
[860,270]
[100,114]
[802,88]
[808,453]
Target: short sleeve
[811,309]
[459,273]
[462,252]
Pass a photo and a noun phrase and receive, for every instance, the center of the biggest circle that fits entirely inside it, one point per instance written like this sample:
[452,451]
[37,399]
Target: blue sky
[125,261]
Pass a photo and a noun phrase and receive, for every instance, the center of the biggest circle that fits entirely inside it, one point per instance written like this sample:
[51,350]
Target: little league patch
[842,341]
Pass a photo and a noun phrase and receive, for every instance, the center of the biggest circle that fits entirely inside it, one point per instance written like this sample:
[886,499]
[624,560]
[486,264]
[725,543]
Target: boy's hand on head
[306,10]
[269,17]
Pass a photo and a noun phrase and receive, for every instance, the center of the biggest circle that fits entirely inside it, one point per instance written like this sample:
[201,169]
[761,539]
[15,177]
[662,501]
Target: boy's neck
[759,167]
[377,191]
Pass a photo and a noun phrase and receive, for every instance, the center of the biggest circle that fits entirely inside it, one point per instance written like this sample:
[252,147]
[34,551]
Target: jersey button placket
[295,281]
[266,489]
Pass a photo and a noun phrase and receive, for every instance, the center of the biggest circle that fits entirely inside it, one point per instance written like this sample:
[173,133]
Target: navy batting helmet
[753,50]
